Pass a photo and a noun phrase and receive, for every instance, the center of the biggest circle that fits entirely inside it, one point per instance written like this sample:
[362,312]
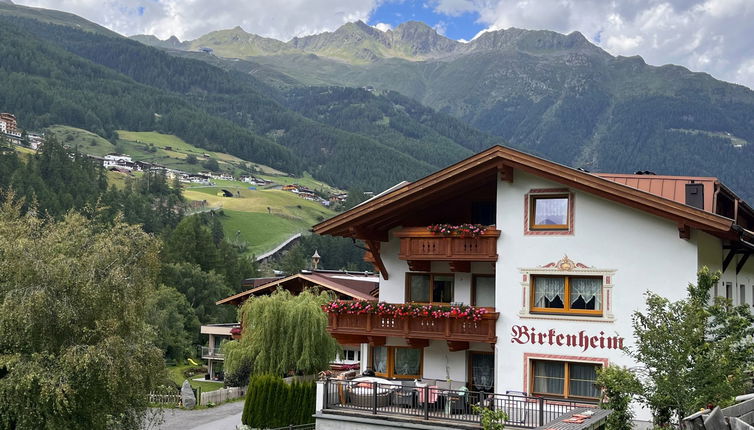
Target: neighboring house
[343,284]
[565,262]
[8,124]
[35,141]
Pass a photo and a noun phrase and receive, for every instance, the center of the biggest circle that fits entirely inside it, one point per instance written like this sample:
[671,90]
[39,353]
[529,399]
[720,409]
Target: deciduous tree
[695,351]
[283,333]
[75,348]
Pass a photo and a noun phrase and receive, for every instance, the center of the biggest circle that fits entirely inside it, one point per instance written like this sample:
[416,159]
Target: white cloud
[383,26]
[188,19]
[713,36]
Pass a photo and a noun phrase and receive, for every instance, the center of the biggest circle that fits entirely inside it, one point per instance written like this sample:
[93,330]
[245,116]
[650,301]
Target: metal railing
[212,353]
[431,403]
[311,426]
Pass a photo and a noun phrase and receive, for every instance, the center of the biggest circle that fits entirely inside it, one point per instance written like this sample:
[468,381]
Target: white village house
[566,260]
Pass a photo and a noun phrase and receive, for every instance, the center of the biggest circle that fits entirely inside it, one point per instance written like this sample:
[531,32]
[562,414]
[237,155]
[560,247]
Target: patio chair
[406,395]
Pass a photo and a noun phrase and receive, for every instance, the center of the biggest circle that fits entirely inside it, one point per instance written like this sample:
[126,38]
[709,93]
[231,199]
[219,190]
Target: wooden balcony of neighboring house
[417,330]
[420,247]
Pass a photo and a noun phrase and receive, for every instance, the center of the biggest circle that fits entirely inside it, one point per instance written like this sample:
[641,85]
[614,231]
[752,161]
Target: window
[729,290]
[564,379]
[567,294]
[429,288]
[742,294]
[351,355]
[549,212]
[483,291]
[397,362]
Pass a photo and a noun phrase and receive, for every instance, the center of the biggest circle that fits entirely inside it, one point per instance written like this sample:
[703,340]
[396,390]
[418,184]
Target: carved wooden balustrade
[419,244]
[373,328]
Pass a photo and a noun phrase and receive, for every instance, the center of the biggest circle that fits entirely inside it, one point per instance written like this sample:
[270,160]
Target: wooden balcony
[419,244]
[373,329]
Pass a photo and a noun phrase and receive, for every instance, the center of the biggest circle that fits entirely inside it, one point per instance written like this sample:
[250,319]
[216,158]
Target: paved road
[224,417]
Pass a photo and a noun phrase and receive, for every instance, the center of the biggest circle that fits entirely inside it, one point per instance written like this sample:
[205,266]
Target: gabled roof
[350,286]
[372,219]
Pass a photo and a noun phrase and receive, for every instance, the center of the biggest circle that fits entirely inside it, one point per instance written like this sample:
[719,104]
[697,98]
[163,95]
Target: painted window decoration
[549,212]
[429,288]
[397,362]
[567,294]
[564,379]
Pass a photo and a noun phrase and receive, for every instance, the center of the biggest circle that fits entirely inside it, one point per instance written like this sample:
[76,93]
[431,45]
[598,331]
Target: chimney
[695,195]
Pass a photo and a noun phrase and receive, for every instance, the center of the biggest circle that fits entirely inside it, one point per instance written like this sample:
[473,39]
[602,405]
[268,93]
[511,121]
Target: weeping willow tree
[282,332]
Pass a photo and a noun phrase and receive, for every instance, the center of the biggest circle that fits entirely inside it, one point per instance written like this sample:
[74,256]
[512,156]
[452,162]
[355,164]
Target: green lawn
[87,142]
[176,375]
[247,218]
[262,232]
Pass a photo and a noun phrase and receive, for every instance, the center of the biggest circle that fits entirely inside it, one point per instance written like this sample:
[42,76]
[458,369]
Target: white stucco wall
[644,250]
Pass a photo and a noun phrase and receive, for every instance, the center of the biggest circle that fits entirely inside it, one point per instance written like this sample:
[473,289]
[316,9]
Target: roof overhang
[317,280]
[372,220]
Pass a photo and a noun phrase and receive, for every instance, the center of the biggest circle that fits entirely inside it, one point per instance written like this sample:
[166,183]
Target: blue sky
[463,26]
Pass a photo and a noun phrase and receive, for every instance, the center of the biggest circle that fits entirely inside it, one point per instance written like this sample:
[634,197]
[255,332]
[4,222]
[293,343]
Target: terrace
[405,401]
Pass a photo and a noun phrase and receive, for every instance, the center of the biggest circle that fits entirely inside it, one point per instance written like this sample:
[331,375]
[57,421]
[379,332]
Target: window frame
[431,275]
[566,378]
[474,278]
[533,197]
[566,309]
[390,365]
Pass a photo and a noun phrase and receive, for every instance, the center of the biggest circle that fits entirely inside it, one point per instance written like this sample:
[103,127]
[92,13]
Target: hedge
[270,402]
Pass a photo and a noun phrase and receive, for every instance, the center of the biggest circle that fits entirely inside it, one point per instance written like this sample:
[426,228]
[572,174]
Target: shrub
[270,402]
[619,386]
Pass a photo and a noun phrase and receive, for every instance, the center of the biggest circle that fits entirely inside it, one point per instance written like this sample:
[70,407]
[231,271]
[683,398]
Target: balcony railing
[393,401]
[417,243]
[214,353]
[450,329]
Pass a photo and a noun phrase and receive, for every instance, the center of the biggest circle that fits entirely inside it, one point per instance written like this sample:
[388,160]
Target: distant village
[125,164]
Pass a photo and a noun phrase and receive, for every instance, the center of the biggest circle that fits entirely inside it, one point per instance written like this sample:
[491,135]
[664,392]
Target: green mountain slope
[213,108]
[555,95]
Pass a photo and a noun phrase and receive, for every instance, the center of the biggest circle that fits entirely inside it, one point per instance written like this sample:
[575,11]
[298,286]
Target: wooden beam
[374,249]
[460,266]
[728,259]
[419,265]
[417,343]
[350,339]
[506,172]
[454,345]
[376,340]
[741,263]
[684,231]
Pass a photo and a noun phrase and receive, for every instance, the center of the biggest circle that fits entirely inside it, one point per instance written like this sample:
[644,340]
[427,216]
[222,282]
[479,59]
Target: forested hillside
[223,110]
[554,95]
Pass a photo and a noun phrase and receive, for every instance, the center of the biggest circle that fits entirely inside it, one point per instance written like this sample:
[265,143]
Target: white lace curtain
[380,359]
[407,361]
[588,289]
[549,289]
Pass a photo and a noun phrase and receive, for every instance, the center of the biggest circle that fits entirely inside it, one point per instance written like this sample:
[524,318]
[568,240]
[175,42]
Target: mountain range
[363,107]
[552,94]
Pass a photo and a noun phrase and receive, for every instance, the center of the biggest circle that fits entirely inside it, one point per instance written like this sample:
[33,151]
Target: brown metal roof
[669,187]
